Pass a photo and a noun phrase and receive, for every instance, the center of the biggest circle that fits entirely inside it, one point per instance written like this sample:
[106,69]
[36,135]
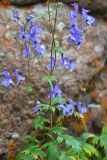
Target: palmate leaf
[23,156]
[87,136]
[34,150]
[64,156]
[71,141]
[30,138]
[58,130]
[90,150]
[52,153]
[39,121]
[57,100]
[49,79]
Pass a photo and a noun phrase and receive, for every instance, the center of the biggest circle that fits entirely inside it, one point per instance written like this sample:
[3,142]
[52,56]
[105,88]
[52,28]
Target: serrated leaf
[90,150]
[57,100]
[30,138]
[23,156]
[86,136]
[38,122]
[58,130]
[52,153]
[49,79]
[70,141]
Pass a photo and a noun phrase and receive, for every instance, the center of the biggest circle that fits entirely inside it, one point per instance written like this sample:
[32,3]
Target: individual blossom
[15,15]
[55,91]
[50,66]
[68,64]
[19,77]
[87,19]
[65,62]
[73,65]
[39,50]
[26,50]
[37,108]
[82,109]
[29,17]
[76,36]
[7,81]
[67,109]
[23,35]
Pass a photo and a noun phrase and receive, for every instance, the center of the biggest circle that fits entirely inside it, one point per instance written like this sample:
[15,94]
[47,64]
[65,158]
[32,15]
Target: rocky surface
[24,2]
[89,78]
[93,5]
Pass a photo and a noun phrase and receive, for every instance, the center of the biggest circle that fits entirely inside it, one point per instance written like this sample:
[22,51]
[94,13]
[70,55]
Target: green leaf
[23,156]
[104,130]
[70,141]
[30,138]
[56,100]
[52,153]
[58,130]
[90,150]
[49,79]
[45,106]
[38,122]
[29,89]
[86,136]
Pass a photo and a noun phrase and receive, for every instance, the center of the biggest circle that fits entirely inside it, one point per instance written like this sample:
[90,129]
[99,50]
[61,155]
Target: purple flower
[65,62]
[82,109]
[67,109]
[23,35]
[88,19]
[48,65]
[73,65]
[26,51]
[37,108]
[15,15]
[76,8]
[7,81]
[68,64]
[29,17]
[55,91]
[19,77]
[39,49]
[76,36]
[34,30]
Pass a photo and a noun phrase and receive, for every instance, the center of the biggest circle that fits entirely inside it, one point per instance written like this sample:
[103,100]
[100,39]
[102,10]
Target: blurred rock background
[87,82]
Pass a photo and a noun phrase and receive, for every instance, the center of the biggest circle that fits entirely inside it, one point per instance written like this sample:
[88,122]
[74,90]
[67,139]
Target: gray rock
[93,5]
[24,2]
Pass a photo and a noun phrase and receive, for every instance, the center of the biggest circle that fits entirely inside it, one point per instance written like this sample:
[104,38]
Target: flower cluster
[55,91]
[64,62]
[76,33]
[29,35]
[7,81]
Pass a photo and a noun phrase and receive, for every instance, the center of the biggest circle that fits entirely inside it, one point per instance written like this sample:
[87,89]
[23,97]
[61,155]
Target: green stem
[52,48]
[28,64]
[49,10]
[84,124]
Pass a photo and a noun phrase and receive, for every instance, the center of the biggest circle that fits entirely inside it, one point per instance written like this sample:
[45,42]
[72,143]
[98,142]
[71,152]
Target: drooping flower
[76,36]
[15,15]
[73,65]
[87,19]
[82,109]
[37,108]
[29,17]
[26,51]
[23,35]
[19,77]
[55,91]
[67,109]
[48,65]
[7,81]
[68,64]
[65,62]
[75,5]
